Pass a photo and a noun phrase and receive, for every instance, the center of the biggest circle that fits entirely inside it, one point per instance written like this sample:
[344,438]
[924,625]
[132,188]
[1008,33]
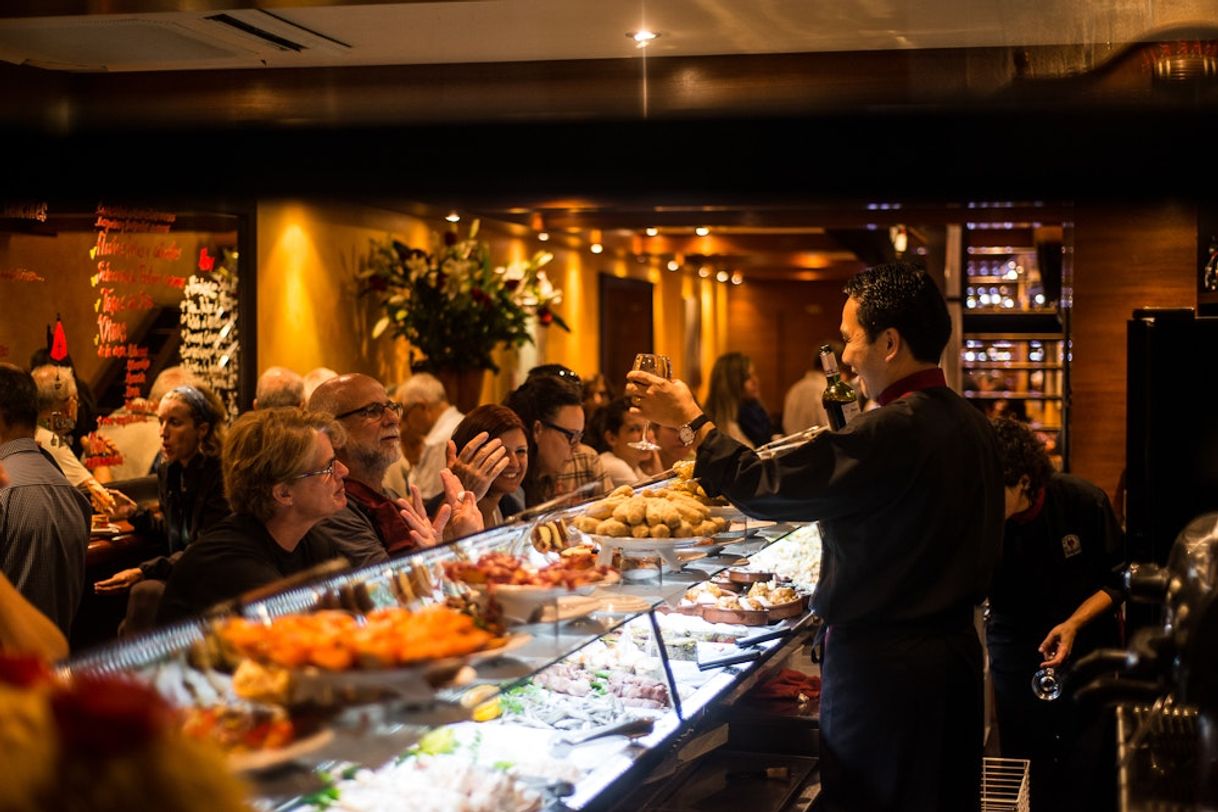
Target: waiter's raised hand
[660,400]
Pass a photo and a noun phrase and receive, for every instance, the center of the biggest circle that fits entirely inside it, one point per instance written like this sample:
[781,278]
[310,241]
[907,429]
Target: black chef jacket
[910,503]
[1055,555]
[231,558]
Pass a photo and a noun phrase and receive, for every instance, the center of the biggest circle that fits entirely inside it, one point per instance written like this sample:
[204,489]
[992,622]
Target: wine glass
[657,365]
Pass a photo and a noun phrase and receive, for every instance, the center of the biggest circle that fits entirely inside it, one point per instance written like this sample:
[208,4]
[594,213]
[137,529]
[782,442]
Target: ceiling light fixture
[737,278]
[702,231]
[653,231]
[642,38]
[722,276]
[544,236]
[704,271]
[453,217]
[595,238]
[596,248]
[673,265]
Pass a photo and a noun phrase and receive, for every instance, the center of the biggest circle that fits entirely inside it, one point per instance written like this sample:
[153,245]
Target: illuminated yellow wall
[310,314]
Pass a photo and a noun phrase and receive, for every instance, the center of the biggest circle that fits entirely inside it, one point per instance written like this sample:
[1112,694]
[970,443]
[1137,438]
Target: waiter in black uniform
[1054,597]
[909,500]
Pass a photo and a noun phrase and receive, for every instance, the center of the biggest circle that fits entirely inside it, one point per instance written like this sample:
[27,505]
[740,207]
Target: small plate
[256,761]
[105,530]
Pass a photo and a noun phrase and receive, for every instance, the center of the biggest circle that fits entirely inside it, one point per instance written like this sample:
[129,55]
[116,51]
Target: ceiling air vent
[283,43]
[175,41]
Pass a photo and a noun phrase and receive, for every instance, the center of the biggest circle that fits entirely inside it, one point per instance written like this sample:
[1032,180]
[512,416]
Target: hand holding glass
[657,365]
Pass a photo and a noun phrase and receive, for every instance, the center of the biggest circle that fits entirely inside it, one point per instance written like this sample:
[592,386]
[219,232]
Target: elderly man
[56,387]
[429,420]
[279,386]
[376,521]
[44,521]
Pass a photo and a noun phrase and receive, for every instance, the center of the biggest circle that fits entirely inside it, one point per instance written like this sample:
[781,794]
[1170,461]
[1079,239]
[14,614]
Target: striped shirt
[44,532]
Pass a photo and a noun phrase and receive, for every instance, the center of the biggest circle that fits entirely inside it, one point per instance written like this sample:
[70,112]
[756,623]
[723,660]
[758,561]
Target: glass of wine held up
[657,365]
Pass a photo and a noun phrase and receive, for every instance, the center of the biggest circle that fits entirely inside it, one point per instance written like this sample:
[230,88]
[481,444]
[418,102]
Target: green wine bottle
[840,400]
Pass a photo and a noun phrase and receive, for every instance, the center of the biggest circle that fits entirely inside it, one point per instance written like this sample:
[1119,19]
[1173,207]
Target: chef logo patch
[1071,545]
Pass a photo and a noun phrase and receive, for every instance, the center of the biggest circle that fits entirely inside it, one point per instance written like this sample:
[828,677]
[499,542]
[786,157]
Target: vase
[463,386]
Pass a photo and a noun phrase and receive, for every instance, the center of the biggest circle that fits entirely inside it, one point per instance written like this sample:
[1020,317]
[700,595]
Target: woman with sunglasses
[191,497]
[282,477]
[553,416]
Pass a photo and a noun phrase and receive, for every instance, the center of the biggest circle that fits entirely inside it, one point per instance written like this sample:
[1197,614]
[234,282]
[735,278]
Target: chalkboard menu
[136,288]
[210,340]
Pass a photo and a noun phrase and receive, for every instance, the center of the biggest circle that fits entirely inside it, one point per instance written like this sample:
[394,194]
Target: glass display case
[1014,353]
[583,694]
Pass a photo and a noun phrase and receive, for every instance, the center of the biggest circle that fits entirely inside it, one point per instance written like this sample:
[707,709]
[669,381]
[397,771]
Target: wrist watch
[689,432]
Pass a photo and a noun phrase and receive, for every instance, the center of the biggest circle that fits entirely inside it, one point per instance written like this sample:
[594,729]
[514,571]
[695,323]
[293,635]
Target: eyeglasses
[327,472]
[573,437]
[373,411]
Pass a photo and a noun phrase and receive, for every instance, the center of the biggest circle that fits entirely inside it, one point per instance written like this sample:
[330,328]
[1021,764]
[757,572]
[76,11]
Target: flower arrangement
[452,305]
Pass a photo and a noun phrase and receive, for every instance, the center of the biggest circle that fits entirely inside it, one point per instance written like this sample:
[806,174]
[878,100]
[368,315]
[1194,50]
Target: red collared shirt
[924,379]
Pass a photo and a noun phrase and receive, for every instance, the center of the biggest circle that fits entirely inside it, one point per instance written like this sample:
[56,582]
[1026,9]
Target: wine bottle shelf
[1010,396]
[1011,365]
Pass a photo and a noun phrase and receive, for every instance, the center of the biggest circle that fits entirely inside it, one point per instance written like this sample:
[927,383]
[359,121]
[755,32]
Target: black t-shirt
[1055,558]
[909,499]
[231,558]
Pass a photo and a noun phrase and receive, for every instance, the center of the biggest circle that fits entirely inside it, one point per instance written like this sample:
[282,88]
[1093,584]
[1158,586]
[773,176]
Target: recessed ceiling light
[453,217]
[702,231]
[596,248]
[653,231]
[737,278]
[642,38]
[543,235]
[704,271]
[673,265]
[722,276]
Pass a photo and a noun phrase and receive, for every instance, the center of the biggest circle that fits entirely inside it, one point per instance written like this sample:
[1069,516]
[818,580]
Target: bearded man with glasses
[377,521]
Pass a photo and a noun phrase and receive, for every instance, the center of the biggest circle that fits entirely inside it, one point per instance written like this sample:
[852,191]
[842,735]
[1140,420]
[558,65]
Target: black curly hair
[1022,454]
[902,295]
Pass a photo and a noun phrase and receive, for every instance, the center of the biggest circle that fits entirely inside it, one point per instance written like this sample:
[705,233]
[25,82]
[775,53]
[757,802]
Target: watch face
[686,434]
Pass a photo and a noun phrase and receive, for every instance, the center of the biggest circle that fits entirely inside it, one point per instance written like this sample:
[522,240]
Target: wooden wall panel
[1125,256]
[780,325]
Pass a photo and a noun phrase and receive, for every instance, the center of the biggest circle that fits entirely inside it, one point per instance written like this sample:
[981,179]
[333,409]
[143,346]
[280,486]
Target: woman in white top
[612,430]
